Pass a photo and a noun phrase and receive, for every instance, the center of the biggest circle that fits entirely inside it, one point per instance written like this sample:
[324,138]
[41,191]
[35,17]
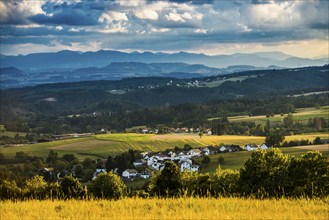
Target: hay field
[180,208]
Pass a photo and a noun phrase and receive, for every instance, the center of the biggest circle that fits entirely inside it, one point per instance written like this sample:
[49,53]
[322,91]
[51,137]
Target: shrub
[225,182]
[263,174]
[108,185]
[36,188]
[308,176]
[168,182]
[194,183]
[72,188]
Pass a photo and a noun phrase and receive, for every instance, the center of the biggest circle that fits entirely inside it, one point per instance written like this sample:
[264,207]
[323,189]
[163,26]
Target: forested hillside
[156,100]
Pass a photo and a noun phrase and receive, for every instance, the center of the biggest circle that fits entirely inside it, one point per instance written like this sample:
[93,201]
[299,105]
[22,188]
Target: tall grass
[180,208]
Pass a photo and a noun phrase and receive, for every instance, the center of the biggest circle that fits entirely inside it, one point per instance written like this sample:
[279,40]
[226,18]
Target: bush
[10,190]
[206,160]
[72,188]
[196,184]
[308,176]
[220,159]
[36,188]
[263,174]
[225,182]
[108,185]
[168,182]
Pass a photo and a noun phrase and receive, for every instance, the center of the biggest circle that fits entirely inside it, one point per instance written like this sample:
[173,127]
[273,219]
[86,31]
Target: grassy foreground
[181,208]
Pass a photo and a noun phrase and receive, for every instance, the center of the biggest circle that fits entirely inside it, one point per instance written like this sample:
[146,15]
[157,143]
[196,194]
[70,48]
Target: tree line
[266,174]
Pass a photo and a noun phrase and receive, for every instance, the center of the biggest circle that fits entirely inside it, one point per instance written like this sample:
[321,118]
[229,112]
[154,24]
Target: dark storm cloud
[195,2]
[74,18]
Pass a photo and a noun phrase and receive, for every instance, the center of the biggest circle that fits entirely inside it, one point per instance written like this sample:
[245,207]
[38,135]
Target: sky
[295,27]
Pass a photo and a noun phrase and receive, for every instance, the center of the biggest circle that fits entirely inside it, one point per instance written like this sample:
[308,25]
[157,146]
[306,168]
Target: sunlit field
[181,208]
[100,146]
[301,115]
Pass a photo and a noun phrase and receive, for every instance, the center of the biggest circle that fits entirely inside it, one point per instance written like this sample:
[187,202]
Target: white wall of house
[185,166]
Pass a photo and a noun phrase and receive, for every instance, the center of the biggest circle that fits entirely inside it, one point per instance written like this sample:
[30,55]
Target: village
[150,162]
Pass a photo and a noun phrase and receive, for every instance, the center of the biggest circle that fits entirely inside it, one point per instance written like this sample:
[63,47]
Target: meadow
[301,115]
[236,160]
[178,208]
[100,146]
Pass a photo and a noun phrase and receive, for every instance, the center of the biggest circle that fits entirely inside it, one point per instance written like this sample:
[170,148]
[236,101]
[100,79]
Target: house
[145,130]
[222,149]
[213,150]
[145,174]
[234,148]
[194,153]
[195,168]
[185,160]
[139,162]
[184,165]
[130,173]
[152,160]
[206,151]
[97,172]
[263,147]
[157,165]
[172,154]
[251,147]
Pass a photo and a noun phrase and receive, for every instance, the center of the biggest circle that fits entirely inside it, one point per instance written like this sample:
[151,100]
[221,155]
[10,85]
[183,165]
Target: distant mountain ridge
[13,77]
[74,59]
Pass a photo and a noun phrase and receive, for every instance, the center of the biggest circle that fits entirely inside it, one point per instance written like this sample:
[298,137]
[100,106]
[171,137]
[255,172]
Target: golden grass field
[180,208]
[100,146]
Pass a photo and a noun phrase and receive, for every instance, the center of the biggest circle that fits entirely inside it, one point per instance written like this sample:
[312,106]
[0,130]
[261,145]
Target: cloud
[160,25]
[16,13]
[111,16]
[146,14]
[74,18]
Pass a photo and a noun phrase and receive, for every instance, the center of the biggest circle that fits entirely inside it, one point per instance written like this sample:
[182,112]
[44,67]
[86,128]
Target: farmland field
[179,208]
[236,160]
[301,115]
[100,146]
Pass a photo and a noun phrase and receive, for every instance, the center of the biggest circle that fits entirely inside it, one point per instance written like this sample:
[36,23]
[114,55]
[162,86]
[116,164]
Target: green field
[236,160]
[100,146]
[11,133]
[301,115]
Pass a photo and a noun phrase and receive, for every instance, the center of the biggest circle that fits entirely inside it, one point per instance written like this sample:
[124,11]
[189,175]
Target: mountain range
[12,77]
[69,60]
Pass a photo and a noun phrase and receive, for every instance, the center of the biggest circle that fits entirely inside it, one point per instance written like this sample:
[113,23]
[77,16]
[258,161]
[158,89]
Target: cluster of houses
[172,130]
[155,161]
[182,158]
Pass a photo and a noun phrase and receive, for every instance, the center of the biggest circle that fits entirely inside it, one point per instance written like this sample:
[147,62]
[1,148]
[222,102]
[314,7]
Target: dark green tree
[69,157]
[72,188]
[273,139]
[308,175]
[52,156]
[264,173]
[108,185]
[168,183]
[110,163]
[206,160]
